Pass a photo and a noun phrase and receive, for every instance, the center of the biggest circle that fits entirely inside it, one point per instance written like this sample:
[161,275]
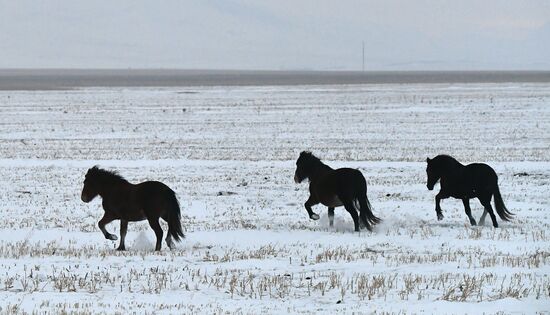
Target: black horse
[128,202]
[334,188]
[465,182]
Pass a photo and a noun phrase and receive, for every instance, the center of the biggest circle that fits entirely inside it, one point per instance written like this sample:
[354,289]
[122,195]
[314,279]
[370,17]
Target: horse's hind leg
[353,212]
[168,238]
[123,230]
[331,216]
[468,210]
[357,206]
[107,218]
[363,221]
[486,202]
[154,223]
[482,218]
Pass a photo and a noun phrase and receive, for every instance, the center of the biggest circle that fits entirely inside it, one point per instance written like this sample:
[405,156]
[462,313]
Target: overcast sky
[276,34]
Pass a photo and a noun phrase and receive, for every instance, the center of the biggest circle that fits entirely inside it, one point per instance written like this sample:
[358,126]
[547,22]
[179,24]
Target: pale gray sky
[283,34]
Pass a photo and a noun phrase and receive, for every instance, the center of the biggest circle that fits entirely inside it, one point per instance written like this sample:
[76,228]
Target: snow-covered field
[229,153]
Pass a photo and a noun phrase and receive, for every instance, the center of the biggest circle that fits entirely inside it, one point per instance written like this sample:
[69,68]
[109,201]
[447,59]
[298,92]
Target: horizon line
[260,70]
[64,79]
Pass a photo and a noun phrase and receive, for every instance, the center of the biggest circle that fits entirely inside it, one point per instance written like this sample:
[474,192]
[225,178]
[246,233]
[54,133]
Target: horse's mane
[105,176]
[446,159]
[309,156]
[311,159]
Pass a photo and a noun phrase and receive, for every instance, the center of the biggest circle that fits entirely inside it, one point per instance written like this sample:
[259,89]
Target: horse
[334,188]
[127,202]
[476,180]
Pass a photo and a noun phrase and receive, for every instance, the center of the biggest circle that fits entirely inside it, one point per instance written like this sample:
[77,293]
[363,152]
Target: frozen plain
[229,153]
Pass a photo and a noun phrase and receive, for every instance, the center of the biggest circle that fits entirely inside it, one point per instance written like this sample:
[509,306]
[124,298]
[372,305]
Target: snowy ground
[229,154]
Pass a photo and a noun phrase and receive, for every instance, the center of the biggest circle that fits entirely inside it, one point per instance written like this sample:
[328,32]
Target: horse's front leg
[123,230]
[108,217]
[331,216]
[309,203]
[438,198]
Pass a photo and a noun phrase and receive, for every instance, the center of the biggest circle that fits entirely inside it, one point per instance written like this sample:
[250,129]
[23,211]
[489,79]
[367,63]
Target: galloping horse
[128,202]
[465,182]
[334,188]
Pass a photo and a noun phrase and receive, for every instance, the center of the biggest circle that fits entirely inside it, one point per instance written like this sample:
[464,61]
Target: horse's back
[480,174]
[154,193]
[481,169]
[348,179]
[348,173]
[337,185]
[153,184]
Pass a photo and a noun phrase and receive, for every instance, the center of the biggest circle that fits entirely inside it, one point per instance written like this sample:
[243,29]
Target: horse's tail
[365,209]
[174,218]
[502,211]
[366,206]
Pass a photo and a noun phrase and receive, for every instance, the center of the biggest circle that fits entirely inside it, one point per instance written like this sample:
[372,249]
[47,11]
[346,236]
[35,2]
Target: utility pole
[363,68]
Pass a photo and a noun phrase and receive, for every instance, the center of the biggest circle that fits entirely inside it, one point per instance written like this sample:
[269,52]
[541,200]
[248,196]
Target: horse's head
[304,166]
[91,185]
[433,172]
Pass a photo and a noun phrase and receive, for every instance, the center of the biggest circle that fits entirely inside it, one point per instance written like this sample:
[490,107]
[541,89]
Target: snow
[254,250]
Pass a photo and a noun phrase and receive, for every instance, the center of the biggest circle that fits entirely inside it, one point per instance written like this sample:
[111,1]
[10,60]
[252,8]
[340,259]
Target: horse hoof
[473,223]
[314,216]
[120,248]
[112,237]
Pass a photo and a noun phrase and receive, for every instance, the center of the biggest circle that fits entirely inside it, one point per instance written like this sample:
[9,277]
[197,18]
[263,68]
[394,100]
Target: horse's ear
[92,169]
[428,160]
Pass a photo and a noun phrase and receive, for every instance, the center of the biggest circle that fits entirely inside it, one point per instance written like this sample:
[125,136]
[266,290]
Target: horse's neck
[452,169]
[320,170]
[112,189]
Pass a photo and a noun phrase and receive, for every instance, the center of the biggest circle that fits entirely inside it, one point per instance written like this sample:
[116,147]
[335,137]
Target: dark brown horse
[476,180]
[334,188]
[128,202]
